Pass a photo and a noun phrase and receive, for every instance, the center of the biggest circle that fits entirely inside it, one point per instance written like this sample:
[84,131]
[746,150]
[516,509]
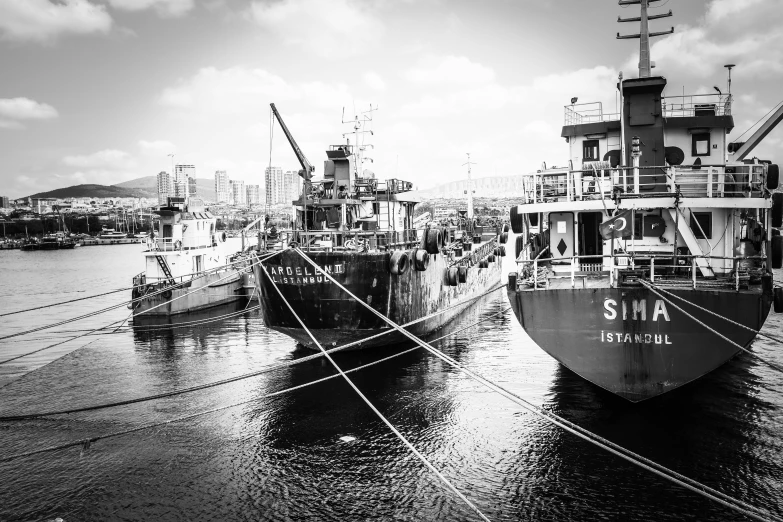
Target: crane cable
[627,455]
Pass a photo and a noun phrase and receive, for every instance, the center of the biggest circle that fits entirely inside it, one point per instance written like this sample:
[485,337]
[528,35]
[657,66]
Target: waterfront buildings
[281,187]
[164,187]
[4,202]
[222,188]
[253,194]
[238,192]
[182,184]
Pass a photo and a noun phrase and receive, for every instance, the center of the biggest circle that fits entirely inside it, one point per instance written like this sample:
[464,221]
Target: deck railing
[709,181]
[684,106]
[593,112]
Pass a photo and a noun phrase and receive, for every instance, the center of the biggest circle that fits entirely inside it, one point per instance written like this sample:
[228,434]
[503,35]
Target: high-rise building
[222,188]
[238,193]
[4,202]
[253,194]
[182,186]
[164,187]
[290,186]
[272,180]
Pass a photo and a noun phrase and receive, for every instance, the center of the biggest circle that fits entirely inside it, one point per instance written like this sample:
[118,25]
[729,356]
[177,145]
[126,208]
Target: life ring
[398,262]
[421,259]
[178,245]
[452,276]
[777,209]
[166,294]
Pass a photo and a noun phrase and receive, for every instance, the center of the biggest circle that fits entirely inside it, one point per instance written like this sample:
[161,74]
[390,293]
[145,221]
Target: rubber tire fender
[452,276]
[520,245]
[517,220]
[777,209]
[773,177]
[777,299]
[777,251]
[433,240]
[504,238]
[505,227]
[421,259]
[462,273]
[166,294]
[223,237]
[502,251]
[398,262]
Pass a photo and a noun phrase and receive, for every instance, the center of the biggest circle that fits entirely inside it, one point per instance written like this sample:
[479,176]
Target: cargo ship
[188,267]
[360,230]
[647,262]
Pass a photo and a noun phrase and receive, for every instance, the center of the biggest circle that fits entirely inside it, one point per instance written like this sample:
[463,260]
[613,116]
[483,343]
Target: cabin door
[590,243]
[561,234]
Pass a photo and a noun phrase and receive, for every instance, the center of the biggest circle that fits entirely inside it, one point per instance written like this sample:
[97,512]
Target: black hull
[335,318]
[643,355]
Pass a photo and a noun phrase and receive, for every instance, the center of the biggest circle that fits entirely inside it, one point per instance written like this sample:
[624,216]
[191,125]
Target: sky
[104,91]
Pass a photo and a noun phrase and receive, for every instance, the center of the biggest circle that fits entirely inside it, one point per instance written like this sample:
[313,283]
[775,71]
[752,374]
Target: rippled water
[281,458]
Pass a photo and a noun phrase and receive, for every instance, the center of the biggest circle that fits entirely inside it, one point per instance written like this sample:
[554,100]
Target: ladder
[164,266]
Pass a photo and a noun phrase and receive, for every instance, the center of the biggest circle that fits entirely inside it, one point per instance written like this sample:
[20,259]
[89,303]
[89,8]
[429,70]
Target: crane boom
[307,168]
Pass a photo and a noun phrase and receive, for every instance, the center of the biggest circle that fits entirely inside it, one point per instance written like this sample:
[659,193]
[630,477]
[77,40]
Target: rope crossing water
[380,415]
[662,471]
[713,330]
[229,380]
[85,442]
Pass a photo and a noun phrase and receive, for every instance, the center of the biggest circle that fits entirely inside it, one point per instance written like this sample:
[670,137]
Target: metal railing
[670,269]
[171,244]
[696,105]
[591,112]
[710,181]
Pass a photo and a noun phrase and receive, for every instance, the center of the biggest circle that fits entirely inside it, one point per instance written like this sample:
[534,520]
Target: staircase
[164,266]
[687,234]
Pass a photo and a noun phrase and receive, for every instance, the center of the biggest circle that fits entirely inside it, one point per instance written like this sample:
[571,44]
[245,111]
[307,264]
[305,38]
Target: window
[590,150]
[701,144]
[638,226]
[703,220]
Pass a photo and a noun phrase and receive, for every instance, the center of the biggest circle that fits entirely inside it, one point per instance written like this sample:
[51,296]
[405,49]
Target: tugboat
[359,230]
[187,253]
[634,259]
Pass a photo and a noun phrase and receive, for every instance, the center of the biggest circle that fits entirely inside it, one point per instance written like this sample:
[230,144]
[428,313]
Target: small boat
[186,254]
[110,233]
[648,263]
[359,230]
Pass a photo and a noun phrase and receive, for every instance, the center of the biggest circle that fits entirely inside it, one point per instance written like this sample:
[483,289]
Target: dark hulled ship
[636,258]
[362,232]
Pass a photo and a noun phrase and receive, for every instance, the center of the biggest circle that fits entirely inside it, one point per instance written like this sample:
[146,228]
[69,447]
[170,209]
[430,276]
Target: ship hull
[218,293]
[631,342]
[334,318]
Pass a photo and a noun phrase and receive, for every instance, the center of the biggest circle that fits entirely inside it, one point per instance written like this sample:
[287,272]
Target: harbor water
[282,457]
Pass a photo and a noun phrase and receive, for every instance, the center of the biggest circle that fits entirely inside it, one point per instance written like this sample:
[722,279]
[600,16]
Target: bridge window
[590,150]
[701,144]
[703,220]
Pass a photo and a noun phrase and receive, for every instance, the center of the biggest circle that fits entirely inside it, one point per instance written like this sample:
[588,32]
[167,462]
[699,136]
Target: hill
[92,191]
[205,187]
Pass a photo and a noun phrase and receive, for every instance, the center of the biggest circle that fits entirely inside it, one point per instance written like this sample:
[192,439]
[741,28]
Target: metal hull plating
[335,318]
[222,292]
[634,344]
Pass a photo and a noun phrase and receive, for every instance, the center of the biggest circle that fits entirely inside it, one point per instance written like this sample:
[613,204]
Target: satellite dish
[674,156]
[613,157]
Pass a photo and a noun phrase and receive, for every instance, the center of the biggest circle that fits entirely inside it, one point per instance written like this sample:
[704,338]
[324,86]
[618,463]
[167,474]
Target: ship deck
[586,281]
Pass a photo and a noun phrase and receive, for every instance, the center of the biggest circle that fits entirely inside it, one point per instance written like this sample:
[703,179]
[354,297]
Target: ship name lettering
[637,309]
[638,338]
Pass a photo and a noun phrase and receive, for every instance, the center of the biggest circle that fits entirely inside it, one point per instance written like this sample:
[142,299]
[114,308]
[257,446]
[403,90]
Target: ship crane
[307,169]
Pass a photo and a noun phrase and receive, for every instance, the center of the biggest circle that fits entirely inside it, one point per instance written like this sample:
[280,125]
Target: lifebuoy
[462,274]
[773,177]
[421,259]
[398,262]
[166,294]
[433,240]
[777,251]
[177,245]
[452,275]
[777,209]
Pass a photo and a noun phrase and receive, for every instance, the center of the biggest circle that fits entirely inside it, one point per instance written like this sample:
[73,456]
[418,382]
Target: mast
[470,187]
[645,64]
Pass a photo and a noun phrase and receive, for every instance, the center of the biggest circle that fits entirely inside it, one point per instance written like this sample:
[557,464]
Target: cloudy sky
[102,91]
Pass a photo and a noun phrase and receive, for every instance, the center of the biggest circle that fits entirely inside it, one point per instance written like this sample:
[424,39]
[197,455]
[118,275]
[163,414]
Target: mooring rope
[380,415]
[229,380]
[582,433]
[713,330]
[82,442]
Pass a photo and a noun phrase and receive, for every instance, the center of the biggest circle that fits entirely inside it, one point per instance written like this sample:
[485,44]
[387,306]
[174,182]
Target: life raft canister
[398,262]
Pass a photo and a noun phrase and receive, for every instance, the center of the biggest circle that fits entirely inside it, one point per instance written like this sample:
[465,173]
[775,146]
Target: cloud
[336,29]
[14,109]
[374,81]
[109,159]
[164,8]
[450,70]
[157,147]
[45,20]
